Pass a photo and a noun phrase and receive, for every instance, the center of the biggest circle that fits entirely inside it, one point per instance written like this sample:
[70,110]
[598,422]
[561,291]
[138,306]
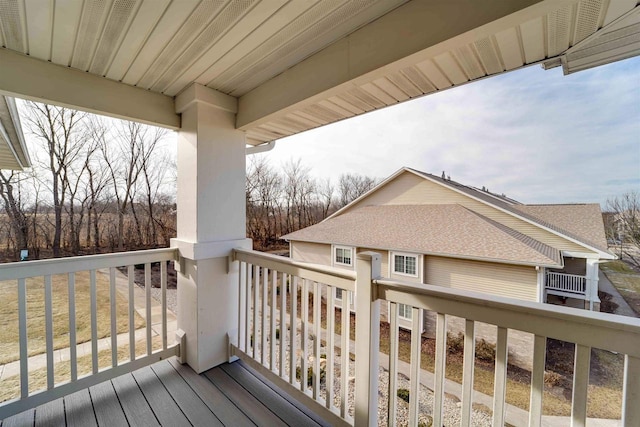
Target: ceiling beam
[413,32]
[37,80]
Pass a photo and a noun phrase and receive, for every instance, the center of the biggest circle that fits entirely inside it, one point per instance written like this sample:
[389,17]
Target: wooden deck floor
[170,394]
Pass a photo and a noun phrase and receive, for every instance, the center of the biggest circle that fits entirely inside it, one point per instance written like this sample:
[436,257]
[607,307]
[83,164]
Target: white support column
[367,339]
[592,282]
[211,222]
[542,284]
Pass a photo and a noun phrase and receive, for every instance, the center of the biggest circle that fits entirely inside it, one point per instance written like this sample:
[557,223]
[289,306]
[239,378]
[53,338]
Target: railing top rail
[24,269]
[343,279]
[599,330]
[555,273]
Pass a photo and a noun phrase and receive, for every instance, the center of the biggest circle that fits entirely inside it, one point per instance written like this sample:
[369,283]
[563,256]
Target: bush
[455,343]
[403,394]
[553,379]
[323,375]
[485,351]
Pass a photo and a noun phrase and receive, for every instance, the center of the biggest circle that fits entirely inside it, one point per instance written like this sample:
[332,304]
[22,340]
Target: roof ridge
[540,247]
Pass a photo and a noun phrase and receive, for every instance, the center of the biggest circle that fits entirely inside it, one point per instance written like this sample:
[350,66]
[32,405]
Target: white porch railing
[563,282]
[262,342]
[36,276]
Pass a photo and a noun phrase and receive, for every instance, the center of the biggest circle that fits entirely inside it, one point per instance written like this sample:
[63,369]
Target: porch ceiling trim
[411,33]
[41,81]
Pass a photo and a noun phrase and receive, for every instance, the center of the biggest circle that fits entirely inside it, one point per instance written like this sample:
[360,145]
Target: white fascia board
[30,78]
[412,32]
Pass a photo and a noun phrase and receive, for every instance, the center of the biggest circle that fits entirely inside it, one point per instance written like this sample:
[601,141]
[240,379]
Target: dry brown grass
[9,335]
[10,387]
[626,281]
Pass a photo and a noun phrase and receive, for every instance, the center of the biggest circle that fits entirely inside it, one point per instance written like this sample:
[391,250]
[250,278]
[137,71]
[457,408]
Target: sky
[537,136]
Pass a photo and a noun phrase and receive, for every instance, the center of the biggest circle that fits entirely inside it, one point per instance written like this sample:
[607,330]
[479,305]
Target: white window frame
[405,308]
[335,255]
[404,254]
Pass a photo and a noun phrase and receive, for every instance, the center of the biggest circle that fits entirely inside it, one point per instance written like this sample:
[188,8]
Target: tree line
[96,184]
[280,201]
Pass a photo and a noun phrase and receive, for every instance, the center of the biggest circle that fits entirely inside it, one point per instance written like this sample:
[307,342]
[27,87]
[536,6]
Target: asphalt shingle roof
[450,230]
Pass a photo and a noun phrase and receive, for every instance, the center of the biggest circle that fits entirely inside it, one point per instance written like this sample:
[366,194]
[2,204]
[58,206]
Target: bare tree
[352,186]
[57,129]
[18,218]
[626,214]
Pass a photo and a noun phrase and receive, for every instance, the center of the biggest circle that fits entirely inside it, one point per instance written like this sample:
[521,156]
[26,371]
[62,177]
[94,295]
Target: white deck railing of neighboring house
[563,282]
[268,285]
[43,271]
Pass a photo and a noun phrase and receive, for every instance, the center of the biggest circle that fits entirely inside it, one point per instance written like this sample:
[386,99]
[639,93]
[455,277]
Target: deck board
[275,402]
[79,409]
[191,405]
[134,405]
[163,406]
[218,403]
[51,414]
[170,394]
[252,407]
[108,411]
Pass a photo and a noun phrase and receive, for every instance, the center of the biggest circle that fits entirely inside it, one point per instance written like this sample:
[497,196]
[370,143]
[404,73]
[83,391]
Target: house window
[404,311]
[343,256]
[339,296]
[405,264]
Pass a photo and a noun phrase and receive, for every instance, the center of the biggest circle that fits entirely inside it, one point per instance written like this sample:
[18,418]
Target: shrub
[323,374]
[485,351]
[455,343]
[553,379]
[403,394]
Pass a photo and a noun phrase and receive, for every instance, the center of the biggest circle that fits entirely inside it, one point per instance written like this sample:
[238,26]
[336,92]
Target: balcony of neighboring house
[289,361]
[576,285]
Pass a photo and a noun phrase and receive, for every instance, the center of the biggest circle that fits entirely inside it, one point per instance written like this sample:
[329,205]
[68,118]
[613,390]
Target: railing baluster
[22,328]
[467,371]
[316,341]
[132,313]
[537,381]
[631,391]
[71,286]
[441,357]
[94,321]
[247,317]
[330,349]
[48,315]
[393,364]
[112,315]
[274,302]
[283,324]
[416,347]
[147,304]
[241,276]
[500,382]
[345,317]
[293,328]
[256,309]
[304,335]
[581,367]
[265,299]
[163,290]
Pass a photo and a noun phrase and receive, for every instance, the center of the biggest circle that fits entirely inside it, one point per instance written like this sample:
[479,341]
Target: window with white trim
[405,264]
[343,256]
[405,311]
[339,295]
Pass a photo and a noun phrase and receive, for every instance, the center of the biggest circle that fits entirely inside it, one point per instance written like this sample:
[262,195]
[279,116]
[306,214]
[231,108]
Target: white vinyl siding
[504,280]
[316,253]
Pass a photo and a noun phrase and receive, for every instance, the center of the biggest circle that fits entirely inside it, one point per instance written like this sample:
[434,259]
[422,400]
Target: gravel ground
[172,295]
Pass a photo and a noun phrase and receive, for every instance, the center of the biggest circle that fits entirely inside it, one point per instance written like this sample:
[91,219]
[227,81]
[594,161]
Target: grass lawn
[9,338]
[626,281]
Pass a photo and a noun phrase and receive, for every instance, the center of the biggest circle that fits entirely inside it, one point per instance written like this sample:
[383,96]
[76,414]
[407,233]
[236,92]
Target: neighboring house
[437,231]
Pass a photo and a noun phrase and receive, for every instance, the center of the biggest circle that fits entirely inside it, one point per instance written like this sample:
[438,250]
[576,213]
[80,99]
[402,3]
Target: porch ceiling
[292,65]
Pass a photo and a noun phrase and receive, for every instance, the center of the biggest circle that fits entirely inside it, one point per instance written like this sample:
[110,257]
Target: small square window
[405,264]
[343,256]
[405,311]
